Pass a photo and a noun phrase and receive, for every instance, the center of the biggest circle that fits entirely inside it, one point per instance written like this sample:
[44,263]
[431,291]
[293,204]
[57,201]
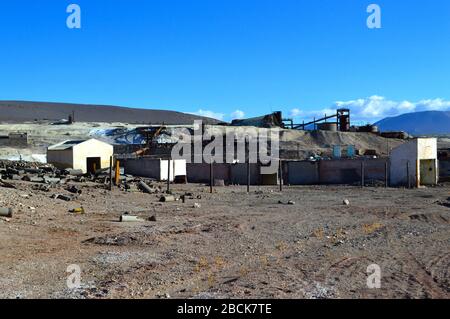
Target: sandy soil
[234,245]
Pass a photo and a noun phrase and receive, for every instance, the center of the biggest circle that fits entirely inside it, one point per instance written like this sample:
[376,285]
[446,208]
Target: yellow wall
[91,148]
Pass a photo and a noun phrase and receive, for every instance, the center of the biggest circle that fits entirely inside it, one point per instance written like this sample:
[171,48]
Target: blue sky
[224,57]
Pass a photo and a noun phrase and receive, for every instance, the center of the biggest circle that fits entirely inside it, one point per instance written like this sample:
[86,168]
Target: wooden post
[211,177]
[386,175]
[168,175]
[117,177]
[110,172]
[407,175]
[248,177]
[363,182]
[280,169]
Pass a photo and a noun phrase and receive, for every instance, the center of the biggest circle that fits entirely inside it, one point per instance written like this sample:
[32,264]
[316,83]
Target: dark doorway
[93,164]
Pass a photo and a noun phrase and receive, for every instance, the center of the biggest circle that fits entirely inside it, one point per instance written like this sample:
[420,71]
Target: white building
[86,155]
[418,158]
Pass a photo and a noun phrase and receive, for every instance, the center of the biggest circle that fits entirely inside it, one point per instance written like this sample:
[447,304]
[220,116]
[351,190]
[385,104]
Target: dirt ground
[235,245]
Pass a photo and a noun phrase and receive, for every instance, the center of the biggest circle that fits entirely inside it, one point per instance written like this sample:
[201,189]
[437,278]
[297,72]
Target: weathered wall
[154,168]
[177,168]
[444,170]
[199,173]
[60,158]
[343,171]
[399,158]
[301,173]
[144,167]
[428,171]
[349,171]
[230,173]
[413,152]
[18,139]
[91,148]
[239,174]
[427,148]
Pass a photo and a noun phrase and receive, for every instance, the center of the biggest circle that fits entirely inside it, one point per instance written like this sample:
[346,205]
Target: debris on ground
[129,218]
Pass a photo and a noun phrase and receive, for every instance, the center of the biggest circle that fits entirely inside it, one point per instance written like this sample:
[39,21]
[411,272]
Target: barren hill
[21,111]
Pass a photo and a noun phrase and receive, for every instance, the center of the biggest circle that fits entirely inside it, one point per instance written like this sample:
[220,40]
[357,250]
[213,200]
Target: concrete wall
[301,173]
[400,156]
[427,148]
[239,174]
[444,170]
[414,151]
[231,173]
[343,171]
[349,171]
[62,159]
[91,148]
[428,165]
[154,168]
[18,139]
[177,168]
[199,173]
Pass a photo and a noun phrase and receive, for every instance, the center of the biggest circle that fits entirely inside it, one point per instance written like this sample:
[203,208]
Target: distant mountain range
[22,111]
[418,123]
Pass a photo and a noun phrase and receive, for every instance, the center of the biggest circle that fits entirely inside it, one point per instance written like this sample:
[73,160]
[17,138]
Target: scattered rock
[74,190]
[346,202]
[62,197]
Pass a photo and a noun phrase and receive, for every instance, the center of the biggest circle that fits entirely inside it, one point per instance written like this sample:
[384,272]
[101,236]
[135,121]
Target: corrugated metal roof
[65,145]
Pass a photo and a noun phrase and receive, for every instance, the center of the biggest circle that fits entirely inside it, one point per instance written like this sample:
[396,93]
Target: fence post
[281,174]
[386,177]
[110,172]
[407,174]
[168,175]
[211,177]
[117,177]
[362,174]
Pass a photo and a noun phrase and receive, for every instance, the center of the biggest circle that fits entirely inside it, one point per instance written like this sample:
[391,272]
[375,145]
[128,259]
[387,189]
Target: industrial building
[86,155]
[415,163]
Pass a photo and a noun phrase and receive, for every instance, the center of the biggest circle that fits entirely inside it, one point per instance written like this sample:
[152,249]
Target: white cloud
[377,107]
[295,113]
[237,115]
[211,114]
[433,105]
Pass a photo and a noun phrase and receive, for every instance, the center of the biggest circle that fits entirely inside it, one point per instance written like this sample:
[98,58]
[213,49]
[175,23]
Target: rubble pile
[43,177]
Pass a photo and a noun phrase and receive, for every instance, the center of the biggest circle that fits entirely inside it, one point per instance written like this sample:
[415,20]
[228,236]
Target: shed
[416,158]
[18,139]
[86,155]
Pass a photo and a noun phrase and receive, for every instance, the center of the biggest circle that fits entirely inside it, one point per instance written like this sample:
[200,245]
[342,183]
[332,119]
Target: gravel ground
[235,245]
